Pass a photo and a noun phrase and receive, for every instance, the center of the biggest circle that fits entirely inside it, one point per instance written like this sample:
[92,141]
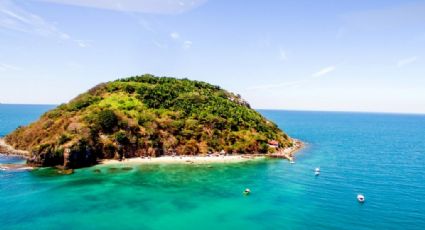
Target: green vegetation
[146,116]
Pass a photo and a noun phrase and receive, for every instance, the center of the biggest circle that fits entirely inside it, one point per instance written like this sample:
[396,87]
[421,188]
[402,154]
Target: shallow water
[379,155]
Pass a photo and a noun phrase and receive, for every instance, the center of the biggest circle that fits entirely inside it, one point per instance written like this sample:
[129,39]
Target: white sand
[185,160]
[288,153]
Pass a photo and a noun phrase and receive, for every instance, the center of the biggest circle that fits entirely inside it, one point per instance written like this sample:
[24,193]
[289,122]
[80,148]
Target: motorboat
[247,192]
[317,171]
[360,198]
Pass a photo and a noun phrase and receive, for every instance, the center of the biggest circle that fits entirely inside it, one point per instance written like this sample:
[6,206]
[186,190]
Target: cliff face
[146,116]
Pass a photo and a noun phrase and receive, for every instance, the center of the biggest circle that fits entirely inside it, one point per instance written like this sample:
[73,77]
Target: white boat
[292,162]
[360,198]
[317,171]
[247,192]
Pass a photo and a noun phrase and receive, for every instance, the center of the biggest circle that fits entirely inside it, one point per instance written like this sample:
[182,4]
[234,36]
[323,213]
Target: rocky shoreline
[287,153]
[7,149]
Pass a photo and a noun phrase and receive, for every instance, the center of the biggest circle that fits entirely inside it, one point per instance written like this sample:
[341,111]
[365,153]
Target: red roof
[273,142]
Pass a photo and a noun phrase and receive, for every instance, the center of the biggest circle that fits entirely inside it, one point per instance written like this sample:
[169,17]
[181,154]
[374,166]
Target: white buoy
[360,198]
[317,170]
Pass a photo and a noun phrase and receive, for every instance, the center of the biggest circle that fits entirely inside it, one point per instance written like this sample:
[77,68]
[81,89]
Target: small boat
[360,198]
[317,171]
[247,192]
[292,162]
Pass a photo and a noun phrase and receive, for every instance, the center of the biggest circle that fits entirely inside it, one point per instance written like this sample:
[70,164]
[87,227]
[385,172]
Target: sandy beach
[287,153]
[186,159]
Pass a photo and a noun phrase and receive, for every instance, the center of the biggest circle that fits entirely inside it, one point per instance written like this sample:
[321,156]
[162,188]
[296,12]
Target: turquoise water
[379,155]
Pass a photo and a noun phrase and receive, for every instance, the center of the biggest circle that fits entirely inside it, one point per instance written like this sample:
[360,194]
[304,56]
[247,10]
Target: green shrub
[121,137]
[107,120]
[129,89]
[63,139]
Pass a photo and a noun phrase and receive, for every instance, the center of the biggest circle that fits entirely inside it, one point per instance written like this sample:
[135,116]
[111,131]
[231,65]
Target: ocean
[379,155]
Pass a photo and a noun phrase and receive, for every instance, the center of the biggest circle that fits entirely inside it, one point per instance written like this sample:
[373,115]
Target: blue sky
[302,55]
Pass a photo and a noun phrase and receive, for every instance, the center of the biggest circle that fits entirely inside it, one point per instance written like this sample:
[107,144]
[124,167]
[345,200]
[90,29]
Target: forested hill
[146,116]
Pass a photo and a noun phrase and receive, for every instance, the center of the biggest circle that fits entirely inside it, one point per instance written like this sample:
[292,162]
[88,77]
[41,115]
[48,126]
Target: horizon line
[277,109]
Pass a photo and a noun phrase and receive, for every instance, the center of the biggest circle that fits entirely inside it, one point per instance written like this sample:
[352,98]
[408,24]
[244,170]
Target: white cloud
[187,44]
[12,17]
[143,22]
[406,61]
[282,55]
[6,67]
[159,44]
[65,36]
[279,85]
[324,71]
[83,43]
[175,35]
[143,6]
[294,84]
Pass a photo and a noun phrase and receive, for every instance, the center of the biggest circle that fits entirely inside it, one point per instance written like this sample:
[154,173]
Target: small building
[274,144]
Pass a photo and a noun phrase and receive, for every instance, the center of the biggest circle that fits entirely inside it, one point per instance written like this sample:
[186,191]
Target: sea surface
[379,155]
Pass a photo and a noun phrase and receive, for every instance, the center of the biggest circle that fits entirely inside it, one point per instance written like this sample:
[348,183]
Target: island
[147,116]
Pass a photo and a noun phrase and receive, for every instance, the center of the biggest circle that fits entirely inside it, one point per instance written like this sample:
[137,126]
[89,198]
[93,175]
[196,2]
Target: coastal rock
[66,171]
[10,150]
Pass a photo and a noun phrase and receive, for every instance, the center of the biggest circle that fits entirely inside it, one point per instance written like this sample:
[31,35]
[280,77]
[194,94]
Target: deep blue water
[379,155]
[13,116]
